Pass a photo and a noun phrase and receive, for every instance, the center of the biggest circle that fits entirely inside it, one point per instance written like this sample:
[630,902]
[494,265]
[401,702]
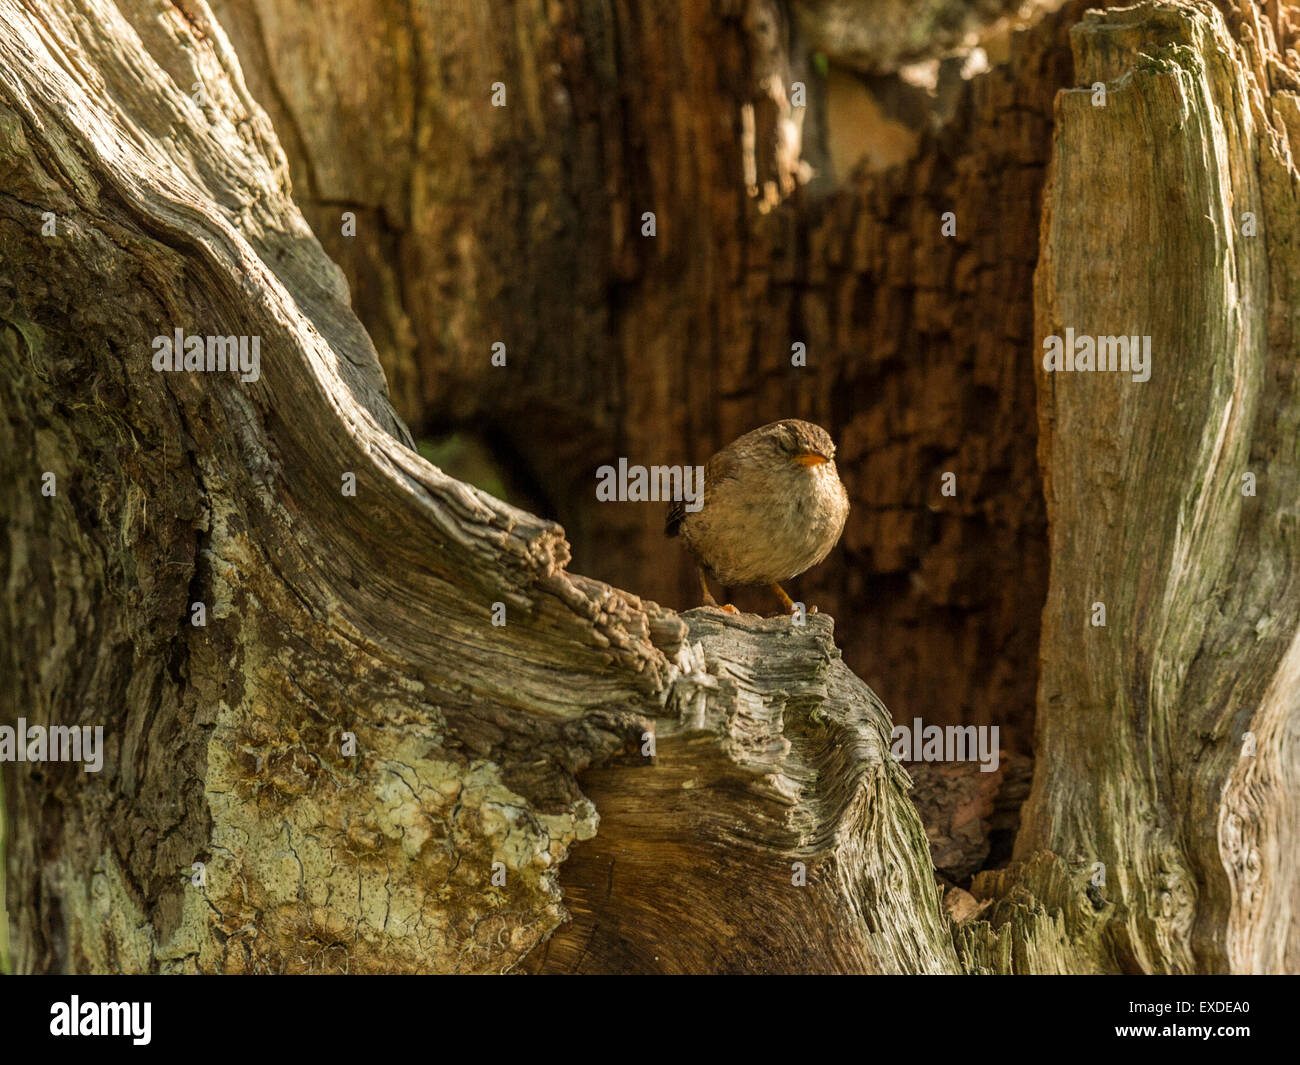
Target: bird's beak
[809,458]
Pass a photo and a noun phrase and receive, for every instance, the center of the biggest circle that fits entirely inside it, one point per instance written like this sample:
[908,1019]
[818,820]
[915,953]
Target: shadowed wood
[331,614]
[485,750]
[522,225]
[1143,767]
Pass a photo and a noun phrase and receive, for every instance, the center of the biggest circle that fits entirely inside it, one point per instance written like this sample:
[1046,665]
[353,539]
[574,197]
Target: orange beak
[809,458]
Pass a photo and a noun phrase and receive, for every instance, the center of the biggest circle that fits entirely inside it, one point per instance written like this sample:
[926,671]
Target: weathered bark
[1144,767]
[523,744]
[691,856]
[329,613]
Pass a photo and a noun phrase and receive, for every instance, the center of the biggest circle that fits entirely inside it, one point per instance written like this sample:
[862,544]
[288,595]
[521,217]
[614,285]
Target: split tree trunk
[1173,212]
[770,816]
[522,745]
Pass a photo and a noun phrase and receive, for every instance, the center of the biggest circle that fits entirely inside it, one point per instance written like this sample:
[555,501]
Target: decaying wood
[1145,771]
[962,806]
[716,860]
[523,225]
[879,36]
[330,614]
[769,829]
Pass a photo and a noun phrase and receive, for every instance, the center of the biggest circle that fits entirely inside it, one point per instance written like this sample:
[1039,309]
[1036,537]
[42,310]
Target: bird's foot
[792,609]
[786,601]
[710,601]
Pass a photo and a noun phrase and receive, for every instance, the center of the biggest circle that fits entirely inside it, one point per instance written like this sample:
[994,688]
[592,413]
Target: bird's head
[802,443]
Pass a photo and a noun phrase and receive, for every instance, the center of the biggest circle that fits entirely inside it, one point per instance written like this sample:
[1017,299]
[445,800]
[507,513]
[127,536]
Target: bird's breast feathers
[759,530]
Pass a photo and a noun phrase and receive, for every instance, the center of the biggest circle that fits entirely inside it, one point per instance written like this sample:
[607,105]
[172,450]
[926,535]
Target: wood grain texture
[1143,764]
[522,225]
[522,745]
[330,614]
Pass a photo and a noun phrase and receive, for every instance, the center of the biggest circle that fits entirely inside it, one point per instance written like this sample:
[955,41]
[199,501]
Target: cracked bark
[522,745]
[1144,766]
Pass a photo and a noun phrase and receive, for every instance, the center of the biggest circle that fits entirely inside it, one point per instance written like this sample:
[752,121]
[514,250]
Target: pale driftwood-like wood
[330,614]
[523,745]
[1144,768]
[720,858]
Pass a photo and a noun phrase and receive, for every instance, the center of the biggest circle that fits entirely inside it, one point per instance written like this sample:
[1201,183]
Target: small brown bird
[773,507]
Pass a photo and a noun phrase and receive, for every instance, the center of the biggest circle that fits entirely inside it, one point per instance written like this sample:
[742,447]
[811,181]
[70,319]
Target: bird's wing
[721,467]
[676,512]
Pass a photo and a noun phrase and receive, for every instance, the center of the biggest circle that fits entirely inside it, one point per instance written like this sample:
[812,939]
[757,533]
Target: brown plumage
[774,506]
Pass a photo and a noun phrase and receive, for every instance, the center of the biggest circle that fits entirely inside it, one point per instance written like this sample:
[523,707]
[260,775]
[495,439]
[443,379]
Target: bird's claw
[793,612]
